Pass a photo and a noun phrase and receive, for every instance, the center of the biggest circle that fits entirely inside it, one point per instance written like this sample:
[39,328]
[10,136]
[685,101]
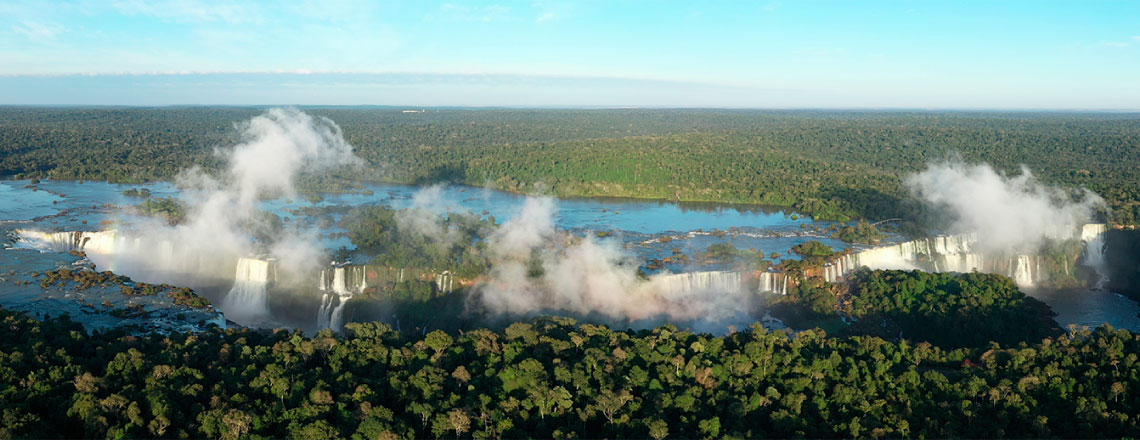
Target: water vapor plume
[1010,214]
[425,216]
[223,222]
[279,145]
[536,269]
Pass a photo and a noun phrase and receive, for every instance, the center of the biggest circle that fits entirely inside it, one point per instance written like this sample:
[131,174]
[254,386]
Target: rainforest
[373,272]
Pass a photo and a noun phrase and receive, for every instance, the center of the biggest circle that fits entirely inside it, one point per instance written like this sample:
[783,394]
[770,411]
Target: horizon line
[588,107]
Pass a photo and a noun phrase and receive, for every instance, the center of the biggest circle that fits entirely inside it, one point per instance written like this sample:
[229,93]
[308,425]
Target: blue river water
[71,205]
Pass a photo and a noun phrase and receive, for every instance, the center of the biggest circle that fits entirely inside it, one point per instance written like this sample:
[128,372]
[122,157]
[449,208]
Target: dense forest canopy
[909,353]
[555,378]
[836,165]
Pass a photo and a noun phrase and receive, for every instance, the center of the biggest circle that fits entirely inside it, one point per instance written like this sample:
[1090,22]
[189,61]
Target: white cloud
[190,10]
[485,14]
[37,31]
[548,11]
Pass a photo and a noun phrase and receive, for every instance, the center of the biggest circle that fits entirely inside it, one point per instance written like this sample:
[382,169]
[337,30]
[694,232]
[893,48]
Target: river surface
[90,206]
[639,224]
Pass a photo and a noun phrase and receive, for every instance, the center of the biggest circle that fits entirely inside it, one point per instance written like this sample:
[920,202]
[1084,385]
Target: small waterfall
[1093,236]
[1020,269]
[773,282]
[339,283]
[445,282]
[248,297]
[323,313]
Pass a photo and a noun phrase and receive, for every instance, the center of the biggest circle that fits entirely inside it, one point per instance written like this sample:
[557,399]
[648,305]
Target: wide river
[70,205]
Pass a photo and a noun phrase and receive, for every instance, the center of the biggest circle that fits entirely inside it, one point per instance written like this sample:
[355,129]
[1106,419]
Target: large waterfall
[958,253]
[673,285]
[247,299]
[101,242]
[136,257]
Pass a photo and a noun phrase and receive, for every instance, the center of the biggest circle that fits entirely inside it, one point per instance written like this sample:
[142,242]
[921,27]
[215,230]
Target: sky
[1036,54]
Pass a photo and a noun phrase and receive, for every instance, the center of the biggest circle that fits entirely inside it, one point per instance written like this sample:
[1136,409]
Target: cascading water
[101,242]
[339,283]
[247,299]
[773,282]
[1021,270]
[445,281]
[1093,236]
[136,257]
[710,281]
[956,253]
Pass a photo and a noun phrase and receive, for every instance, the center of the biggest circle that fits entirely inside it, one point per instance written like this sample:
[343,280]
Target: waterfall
[1020,269]
[101,242]
[445,281]
[690,282]
[957,253]
[137,256]
[339,283]
[248,297]
[773,282]
[1093,236]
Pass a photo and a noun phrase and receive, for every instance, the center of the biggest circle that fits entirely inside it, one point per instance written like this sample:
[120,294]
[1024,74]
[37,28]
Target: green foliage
[87,279]
[813,251]
[168,208]
[946,309]
[831,165]
[137,192]
[861,232]
[459,248]
[554,378]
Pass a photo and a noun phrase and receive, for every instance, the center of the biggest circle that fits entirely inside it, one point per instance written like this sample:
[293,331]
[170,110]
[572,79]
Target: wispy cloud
[548,11]
[37,31]
[484,14]
[194,11]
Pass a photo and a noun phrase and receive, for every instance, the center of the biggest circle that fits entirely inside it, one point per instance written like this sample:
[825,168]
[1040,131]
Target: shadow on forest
[455,173]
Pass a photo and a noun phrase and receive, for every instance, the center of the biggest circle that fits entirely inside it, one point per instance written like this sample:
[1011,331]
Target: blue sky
[765,54]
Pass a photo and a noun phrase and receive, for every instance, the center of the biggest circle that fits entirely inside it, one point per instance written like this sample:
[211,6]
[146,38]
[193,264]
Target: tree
[658,429]
[459,421]
[609,404]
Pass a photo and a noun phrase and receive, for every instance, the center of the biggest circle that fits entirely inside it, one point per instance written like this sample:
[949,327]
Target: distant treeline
[834,165]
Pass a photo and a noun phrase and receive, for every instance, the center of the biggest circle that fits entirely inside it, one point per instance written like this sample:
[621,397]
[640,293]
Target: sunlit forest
[832,165]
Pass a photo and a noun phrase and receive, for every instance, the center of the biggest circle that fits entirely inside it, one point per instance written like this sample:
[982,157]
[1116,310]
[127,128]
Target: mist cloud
[1011,214]
[425,216]
[537,269]
[223,222]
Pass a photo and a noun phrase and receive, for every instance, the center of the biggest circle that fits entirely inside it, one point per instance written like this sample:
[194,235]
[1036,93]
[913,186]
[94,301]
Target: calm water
[21,204]
[1090,308]
[88,205]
